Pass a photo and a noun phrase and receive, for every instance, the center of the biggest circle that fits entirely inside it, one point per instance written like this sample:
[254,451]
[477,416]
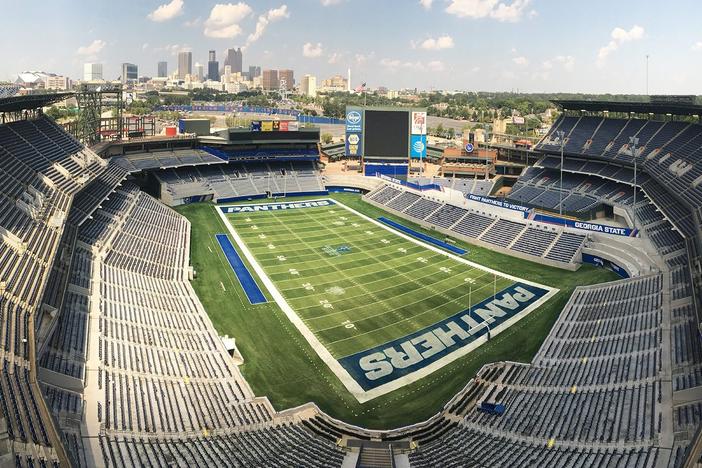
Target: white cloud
[442,42]
[92,49]
[224,19]
[172,49]
[335,57]
[697,46]
[312,50]
[511,13]
[395,64]
[360,59]
[500,11]
[145,46]
[167,11]
[271,16]
[567,61]
[619,36]
[193,23]
[521,61]
[426,3]
[436,66]
[330,2]
[390,63]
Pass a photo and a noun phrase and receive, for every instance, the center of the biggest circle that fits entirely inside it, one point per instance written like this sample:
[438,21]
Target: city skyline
[525,45]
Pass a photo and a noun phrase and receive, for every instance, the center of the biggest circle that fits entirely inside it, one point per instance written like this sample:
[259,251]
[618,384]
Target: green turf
[280,364]
[384,288]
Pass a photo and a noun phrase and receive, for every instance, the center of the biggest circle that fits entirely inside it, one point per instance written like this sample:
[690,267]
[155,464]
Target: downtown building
[234,59]
[269,80]
[92,72]
[130,73]
[212,67]
[185,64]
[162,71]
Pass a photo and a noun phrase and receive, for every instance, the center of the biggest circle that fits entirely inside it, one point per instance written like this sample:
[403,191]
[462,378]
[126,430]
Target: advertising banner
[354,120]
[354,131]
[353,144]
[499,203]
[267,126]
[587,225]
[418,146]
[256,126]
[276,125]
[293,126]
[284,126]
[419,123]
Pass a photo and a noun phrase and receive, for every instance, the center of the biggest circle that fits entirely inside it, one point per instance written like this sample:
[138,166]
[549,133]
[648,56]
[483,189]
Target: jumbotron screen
[386,134]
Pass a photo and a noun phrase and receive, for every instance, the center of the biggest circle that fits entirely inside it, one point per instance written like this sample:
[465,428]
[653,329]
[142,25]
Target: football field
[376,304]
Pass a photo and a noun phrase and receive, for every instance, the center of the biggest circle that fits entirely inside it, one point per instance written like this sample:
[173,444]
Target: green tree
[54,112]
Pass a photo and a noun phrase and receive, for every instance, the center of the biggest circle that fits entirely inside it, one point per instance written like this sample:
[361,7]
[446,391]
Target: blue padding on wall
[424,237]
[253,292]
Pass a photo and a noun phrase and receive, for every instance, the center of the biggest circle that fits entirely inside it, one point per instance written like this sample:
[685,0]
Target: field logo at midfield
[274,206]
[336,251]
[396,359]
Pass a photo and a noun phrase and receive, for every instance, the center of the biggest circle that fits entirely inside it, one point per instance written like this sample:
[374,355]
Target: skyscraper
[213,67]
[185,64]
[308,87]
[270,80]
[234,59]
[238,65]
[254,72]
[92,71]
[130,73]
[200,71]
[286,79]
[162,69]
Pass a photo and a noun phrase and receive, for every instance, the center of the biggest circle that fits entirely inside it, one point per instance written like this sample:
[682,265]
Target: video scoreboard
[386,138]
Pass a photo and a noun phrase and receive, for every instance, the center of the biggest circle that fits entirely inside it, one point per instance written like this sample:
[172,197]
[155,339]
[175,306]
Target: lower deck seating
[581,401]
[535,240]
[164,376]
[235,180]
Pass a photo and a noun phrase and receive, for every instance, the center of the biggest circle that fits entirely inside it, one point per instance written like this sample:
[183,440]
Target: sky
[593,46]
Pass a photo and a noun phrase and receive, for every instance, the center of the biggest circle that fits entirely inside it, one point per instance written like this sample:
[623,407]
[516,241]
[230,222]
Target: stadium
[221,298]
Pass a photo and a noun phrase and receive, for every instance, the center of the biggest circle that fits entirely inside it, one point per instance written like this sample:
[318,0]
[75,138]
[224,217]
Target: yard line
[325,259]
[447,278]
[349,259]
[381,303]
[408,305]
[383,327]
[382,268]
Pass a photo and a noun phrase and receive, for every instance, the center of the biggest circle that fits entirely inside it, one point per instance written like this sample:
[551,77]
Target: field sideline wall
[478,242]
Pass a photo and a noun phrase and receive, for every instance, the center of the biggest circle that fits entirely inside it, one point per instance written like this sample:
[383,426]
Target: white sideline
[342,374]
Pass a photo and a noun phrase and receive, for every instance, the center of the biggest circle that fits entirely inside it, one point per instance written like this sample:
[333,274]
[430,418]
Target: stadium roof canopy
[673,108]
[31,101]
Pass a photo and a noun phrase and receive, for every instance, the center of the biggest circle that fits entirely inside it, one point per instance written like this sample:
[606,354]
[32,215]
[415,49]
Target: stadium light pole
[634,141]
[561,137]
